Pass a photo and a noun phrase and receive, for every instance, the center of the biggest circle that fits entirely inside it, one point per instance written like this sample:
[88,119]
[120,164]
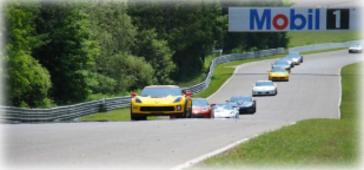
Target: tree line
[63,53]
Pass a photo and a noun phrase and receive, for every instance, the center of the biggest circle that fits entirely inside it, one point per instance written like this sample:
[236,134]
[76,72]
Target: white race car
[264,87]
[227,110]
[355,48]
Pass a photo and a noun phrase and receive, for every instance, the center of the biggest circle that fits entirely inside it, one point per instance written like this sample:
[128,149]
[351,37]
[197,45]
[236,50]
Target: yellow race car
[161,100]
[278,73]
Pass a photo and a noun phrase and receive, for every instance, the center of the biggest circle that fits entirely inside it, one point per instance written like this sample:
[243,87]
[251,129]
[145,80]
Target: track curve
[313,92]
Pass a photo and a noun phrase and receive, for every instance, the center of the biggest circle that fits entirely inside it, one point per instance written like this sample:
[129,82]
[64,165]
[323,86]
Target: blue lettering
[266,18]
[294,17]
[310,19]
[317,19]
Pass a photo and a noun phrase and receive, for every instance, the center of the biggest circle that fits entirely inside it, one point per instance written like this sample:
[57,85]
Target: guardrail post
[102,106]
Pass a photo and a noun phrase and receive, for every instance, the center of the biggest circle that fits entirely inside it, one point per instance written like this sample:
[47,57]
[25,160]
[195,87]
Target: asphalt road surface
[313,92]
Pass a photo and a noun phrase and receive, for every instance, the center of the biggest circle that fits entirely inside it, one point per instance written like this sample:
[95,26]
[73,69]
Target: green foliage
[191,31]
[112,27]
[68,52]
[130,72]
[117,70]
[28,82]
[106,48]
[157,53]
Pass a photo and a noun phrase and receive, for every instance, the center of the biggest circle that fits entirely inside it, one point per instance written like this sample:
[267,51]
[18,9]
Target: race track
[313,91]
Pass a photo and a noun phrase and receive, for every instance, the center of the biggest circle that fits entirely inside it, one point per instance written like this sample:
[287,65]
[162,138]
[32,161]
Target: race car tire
[134,117]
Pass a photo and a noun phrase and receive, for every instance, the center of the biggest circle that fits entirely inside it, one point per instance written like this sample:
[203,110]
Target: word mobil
[310,20]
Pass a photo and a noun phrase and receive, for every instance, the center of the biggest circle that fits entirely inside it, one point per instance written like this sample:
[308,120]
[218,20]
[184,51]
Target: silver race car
[226,110]
[264,87]
[355,48]
[295,57]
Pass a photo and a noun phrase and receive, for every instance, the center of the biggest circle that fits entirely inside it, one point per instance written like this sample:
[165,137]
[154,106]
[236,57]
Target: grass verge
[321,51]
[309,142]
[115,115]
[306,38]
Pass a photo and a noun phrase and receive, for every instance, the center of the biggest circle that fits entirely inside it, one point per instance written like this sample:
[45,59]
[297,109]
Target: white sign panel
[242,19]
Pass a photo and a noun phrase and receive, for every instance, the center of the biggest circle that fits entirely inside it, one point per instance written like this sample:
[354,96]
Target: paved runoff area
[313,91]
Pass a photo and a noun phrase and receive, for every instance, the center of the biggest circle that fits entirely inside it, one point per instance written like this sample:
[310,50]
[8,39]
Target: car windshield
[224,106]
[199,102]
[264,83]
[278,69]
[286,59]
[294,54]
[240,98]
[161,92]
[280,62]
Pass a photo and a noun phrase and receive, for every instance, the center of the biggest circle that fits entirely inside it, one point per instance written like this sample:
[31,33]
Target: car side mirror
[188,93]
[133,94]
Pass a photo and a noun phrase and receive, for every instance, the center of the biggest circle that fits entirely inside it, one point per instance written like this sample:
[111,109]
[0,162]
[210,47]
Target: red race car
[201,108]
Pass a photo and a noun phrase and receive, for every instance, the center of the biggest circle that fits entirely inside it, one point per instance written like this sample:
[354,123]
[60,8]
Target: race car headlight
[248,103]
[205,109]
[177,100]
[137,100]
[179,108]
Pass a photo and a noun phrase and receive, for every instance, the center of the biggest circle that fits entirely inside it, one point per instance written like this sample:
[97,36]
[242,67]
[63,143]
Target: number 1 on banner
[337,14]
[338,19]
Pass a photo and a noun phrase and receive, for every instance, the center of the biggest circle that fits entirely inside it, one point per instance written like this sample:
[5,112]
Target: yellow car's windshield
[278,69]
[161,92]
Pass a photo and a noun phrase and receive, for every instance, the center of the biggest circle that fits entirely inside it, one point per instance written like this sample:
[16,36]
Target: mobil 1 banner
[267,19]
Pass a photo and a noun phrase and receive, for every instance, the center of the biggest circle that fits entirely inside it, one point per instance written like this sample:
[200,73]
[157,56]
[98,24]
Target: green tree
[130,72]
[28,82]
[157,53]
[69,51]
[191,30]
[113,31]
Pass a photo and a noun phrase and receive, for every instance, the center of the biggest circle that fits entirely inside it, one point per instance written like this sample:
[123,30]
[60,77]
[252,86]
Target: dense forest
[63,53]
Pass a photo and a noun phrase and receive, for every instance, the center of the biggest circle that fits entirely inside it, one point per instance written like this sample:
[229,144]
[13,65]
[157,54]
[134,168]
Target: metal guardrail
[63,113]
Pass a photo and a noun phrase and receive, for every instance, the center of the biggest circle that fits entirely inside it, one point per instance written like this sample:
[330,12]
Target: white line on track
[340,95]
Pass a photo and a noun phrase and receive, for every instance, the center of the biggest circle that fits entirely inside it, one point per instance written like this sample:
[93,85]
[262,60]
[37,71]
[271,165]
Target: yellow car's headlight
[137,100]
[179,108]
[177,100]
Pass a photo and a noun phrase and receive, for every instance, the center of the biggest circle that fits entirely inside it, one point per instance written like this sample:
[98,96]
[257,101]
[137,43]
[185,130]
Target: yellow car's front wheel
[136,117]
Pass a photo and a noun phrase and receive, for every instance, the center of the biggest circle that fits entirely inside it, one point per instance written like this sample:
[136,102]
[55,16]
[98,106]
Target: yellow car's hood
[159,100]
